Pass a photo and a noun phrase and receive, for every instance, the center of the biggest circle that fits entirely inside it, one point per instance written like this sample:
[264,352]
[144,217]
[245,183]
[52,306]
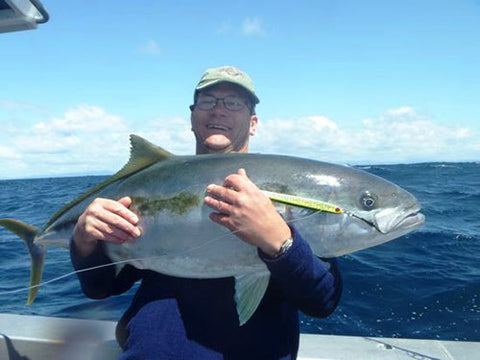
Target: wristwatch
[287,244]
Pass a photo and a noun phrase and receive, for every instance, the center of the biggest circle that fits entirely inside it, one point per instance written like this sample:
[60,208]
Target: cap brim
[211,83]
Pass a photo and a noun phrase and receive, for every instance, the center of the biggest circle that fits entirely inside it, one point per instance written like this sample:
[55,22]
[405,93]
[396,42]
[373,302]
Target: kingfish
[337,209]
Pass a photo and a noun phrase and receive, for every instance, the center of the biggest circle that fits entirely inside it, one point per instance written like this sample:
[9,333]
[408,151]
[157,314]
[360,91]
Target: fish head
[387,210]
[392,211]
[374,211]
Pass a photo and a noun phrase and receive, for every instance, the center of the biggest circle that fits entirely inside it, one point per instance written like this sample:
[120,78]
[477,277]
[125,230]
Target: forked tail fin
[37,252]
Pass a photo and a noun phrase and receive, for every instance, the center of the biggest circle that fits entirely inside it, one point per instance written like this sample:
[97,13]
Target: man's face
[220,130]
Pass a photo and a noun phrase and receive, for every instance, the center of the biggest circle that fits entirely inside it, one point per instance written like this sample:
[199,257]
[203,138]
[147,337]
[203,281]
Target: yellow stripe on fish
[303,202]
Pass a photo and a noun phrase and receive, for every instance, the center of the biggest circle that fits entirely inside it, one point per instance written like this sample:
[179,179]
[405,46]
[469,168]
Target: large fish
[337,209]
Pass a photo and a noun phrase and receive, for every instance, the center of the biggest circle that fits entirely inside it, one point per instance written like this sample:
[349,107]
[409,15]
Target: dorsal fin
[142,154]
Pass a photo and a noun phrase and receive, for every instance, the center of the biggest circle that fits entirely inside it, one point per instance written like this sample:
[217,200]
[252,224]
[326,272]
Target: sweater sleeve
[314,285]
[98,276]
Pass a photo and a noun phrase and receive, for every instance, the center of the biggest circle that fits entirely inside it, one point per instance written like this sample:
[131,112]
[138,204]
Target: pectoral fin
[249,291]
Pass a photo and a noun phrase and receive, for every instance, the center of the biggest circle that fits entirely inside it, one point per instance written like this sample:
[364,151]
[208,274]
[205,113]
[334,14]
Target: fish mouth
[412,220]
[386,222]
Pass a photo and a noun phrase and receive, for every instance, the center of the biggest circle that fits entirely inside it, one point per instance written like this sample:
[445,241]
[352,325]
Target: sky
[355,82]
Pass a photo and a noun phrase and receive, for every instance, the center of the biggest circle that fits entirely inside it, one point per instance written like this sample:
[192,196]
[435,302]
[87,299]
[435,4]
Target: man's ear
[253,125]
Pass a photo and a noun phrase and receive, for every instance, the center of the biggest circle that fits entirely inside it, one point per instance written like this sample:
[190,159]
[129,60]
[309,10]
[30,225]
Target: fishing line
[58,278]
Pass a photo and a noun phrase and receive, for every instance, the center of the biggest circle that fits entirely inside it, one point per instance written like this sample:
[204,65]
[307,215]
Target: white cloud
[7,153]
[397,135]
[173,134]
[87,139]
[83,118]
[406,111]
[84,138]
[250,26]
[151,47]
[253,27]
[37,143]
[16,105]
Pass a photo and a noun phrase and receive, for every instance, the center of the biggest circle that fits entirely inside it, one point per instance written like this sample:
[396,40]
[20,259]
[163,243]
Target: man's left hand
[246,211]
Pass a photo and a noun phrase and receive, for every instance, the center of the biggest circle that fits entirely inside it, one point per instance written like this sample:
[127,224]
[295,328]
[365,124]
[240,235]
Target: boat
[17,15]
[46,338]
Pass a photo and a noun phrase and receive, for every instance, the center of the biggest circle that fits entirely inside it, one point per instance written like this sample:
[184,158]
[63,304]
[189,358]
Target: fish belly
[189,246]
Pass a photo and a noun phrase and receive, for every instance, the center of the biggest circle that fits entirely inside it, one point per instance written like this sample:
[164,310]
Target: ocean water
[423,285]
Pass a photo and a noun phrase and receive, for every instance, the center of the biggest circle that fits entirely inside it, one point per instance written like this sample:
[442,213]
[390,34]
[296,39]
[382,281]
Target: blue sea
[423,285]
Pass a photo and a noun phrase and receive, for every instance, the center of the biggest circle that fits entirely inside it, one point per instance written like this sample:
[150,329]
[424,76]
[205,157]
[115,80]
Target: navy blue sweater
[177,318]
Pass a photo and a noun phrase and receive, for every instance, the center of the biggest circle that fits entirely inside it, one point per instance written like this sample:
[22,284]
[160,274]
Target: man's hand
[245,210]
[105,220]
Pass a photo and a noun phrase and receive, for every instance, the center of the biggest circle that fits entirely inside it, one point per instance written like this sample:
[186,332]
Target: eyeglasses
[231,102]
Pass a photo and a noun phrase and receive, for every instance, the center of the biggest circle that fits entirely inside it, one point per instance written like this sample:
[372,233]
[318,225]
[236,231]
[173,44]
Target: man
[175,318]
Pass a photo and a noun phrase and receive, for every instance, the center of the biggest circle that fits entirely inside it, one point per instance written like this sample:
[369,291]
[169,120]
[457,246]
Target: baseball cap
[229,74]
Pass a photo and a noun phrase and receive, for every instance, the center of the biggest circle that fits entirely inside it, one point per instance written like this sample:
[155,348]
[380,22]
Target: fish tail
[37,252]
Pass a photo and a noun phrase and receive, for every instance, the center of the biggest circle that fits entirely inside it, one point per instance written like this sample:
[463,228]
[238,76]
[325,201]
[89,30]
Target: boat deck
[36,338]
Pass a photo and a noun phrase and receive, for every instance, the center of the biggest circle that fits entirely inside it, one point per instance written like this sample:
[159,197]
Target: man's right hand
[105,220]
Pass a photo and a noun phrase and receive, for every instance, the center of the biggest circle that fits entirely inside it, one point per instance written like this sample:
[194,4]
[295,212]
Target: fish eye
[368,201]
